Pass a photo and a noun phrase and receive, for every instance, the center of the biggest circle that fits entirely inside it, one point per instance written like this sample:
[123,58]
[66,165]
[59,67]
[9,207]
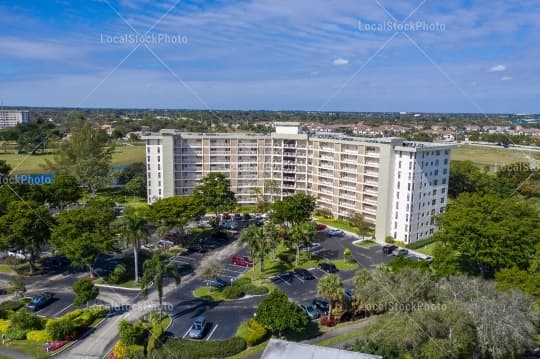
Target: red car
[320,226]
[242,261]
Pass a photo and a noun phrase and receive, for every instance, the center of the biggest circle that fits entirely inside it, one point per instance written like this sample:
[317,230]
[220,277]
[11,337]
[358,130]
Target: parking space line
[230,270]
[185,335]
[284,281]
[212,332]
[179,261]
[297,277]
[63,310]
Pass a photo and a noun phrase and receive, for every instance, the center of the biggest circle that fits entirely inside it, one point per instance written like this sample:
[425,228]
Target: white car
[311,247]
[335,232]
[18,253]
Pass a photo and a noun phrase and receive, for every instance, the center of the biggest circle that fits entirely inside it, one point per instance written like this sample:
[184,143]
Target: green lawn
[427,249]
[485,156]
[344,265]
[336,223]
[6,268]
[208,293]
[127,284]
[28,164]
[365,244]
[33,349]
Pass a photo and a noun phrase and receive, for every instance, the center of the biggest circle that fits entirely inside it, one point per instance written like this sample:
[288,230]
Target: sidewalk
[13,354]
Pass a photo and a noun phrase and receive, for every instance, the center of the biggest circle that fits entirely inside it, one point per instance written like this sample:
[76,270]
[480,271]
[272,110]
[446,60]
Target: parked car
[320,226]
[232,225]
[303,273]
[428,259]
[321,304]
[286,276]
[328,267]
[197,328]
[247,216]
[40,301]
[310,310]
[237,217]
[336,233]
[198,247]
[400,252]
[388,248]
[217,283]
[242,261]
[226,217]
[17,253]
[57,262]
[311,247]
[348,294]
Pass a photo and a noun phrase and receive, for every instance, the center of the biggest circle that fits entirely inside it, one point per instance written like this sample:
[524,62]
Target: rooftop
[281,349]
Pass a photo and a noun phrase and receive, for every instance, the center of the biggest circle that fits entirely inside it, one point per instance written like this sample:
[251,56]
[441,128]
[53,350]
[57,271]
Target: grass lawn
[344,265]
[6,268]
[427,249]
[485,156]
[127,284]
[353,334]
[336,223]
[29,164]
[209,293]
[365,244]
[33,349]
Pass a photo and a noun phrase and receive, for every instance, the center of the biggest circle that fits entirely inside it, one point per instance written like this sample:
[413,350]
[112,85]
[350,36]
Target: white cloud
[506,78]
[497,68]
[341,61]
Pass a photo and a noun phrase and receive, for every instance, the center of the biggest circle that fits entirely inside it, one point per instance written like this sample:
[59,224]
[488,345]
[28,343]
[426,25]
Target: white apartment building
[395,184]
[11,118]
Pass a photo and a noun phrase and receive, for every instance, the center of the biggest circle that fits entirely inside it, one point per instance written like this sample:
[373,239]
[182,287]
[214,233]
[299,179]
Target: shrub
[118,275]
[257,333]
[328,322]
[389,239]
[232,292]
[184,348]
[130,333]
[38,336]
[242,281]
[8,307]
[59,329]
[14,333]
[153,341]
[57,344]
[26,320]
[4,325]
[252,289]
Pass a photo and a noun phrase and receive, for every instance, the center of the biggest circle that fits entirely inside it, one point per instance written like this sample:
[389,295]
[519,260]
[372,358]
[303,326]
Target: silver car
[197,328]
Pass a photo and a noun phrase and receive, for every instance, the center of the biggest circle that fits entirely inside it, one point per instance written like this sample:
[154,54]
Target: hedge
[4,325]
[38,336]
[232,292]
[178,348]
[257,333]
[8,307]
[421,243]
[252,289]
[122,351]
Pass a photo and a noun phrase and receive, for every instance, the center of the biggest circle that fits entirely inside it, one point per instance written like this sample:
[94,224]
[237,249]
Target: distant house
[108,129]
[281,349]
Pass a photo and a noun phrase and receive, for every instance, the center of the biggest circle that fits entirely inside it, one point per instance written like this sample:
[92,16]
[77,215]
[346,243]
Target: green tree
[85,291]
[82,234]
[86,155]
[331,287]
[16,285]
[214,193]
[133,231]
[515,278]
[302,233]
[34,136]
[490,232]
[136,187]
[258,242]
[466,177]
[26,226]
[62,191]
[5,169]
[278,315]
[154,272]
[522,177]
[445,260]
[177,211]
[357,221]
[131,171]
[293,209]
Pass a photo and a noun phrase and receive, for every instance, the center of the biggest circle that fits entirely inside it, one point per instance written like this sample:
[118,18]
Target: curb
[116,287]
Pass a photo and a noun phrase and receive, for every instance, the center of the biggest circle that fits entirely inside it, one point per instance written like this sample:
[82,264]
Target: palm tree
[261,203]
[330,287]
[257,242]
[133,231]
[302,233]
[154,271]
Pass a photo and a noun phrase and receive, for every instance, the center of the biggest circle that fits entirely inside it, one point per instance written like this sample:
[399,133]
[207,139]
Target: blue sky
[331,55]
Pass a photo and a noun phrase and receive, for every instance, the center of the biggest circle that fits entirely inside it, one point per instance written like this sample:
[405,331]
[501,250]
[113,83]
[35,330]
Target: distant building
[397,185]
[281,349]
[11,118]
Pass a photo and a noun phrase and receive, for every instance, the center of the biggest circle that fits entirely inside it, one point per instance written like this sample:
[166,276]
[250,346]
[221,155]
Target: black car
[328,267]
[388,248]
[237,217]
[40,301]
[217,283]
[321,304]
[287,276]
[303,273]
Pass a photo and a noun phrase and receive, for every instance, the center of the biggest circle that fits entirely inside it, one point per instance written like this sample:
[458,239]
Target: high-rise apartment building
[11,118]
[395,184]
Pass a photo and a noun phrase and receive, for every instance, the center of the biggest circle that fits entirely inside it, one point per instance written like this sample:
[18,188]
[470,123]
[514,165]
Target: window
[444,181]
[410,165]
[159,158]
[446,161]
[149,167]
[158,149]
[395,225]
[408,186]
[160,191]
[435,182]
[445,171]
[436,172]
[147,149]
[433,202]
[148,159]
[434,192]
[159,167]
[443,190]
[442,199]
[399,164]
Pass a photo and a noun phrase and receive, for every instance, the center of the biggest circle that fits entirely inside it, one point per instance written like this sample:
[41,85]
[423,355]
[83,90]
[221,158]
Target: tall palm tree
[154,271]
[256,240]
[133,231]
[330,287]
[302,233]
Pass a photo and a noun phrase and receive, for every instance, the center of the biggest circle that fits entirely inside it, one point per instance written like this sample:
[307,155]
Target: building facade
[397,185]
[11,118]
